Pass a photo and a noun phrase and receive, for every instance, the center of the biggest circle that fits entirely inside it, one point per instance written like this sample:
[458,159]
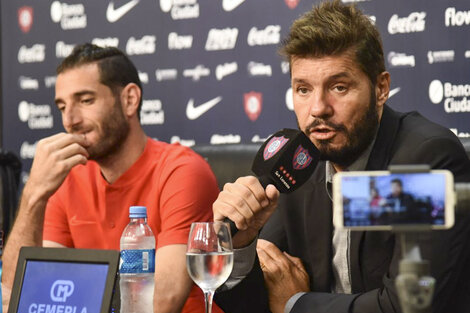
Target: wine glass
[209,257]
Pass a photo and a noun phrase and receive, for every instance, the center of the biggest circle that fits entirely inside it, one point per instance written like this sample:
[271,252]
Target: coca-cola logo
[415,22]
[34,54]
[269,36]
[145,45]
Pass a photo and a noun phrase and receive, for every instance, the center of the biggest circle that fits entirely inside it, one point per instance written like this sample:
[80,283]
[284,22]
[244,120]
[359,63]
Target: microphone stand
[415,286]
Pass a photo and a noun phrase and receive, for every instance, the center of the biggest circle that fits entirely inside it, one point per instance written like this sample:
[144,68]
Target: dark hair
[115,68]
[332,28]
[397,181]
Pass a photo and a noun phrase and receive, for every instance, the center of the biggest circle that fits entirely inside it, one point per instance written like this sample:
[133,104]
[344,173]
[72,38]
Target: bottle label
[137,261]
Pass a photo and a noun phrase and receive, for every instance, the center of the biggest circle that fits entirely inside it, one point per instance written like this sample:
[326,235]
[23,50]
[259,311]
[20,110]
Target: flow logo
[113,14]
[61,290]
[457,18]
[179,42]
[63,50]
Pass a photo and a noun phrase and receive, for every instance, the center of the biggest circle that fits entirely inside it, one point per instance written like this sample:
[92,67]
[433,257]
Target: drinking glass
[209,257]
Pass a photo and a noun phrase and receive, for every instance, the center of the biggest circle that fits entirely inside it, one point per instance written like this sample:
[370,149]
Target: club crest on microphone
[273,147]
[301,158]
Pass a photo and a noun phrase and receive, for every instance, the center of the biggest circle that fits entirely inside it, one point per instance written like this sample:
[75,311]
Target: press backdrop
[210,69]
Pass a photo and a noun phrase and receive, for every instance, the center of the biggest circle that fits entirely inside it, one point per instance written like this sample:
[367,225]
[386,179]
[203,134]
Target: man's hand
[55,157]
[248,205]
[284,275]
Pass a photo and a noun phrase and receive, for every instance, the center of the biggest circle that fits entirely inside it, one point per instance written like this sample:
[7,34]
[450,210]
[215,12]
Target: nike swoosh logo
[113,15]
[230,5]
[193,112]
[393,92]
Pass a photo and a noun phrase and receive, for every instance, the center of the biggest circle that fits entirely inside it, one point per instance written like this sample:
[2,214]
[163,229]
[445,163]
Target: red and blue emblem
[25,18]
[292,3]
[302,158]
[273,146]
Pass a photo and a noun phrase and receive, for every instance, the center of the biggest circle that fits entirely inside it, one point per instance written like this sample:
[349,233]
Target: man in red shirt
[82,182]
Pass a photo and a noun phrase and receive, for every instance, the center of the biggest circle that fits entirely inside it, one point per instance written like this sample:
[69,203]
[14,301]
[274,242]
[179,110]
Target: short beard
[114,132]
[357,140]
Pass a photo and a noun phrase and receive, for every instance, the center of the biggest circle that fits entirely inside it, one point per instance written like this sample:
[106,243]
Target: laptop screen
[64,280]
[65,287]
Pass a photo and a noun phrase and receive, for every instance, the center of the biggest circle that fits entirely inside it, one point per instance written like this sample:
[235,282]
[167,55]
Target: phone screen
[394,199]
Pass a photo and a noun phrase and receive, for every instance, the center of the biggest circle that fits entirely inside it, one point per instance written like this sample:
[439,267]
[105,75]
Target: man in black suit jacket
[305,265]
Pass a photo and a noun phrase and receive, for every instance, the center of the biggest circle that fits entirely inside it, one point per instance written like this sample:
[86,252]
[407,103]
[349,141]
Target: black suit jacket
[302,226]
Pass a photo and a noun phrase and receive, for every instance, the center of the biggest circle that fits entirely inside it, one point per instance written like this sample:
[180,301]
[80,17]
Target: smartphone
[381,200]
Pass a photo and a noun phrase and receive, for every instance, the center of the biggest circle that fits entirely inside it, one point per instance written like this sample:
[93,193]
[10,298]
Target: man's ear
[382,88]
[130,99]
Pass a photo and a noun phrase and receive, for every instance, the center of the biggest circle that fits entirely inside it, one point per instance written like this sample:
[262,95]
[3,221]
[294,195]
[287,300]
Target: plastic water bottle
[137,265]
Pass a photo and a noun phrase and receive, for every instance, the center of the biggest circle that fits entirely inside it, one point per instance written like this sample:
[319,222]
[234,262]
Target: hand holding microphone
[286,160]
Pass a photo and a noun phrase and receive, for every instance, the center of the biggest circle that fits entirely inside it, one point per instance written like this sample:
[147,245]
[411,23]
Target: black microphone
[286,159]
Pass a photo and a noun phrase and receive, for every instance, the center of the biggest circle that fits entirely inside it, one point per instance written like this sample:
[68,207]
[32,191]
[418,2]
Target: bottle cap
[137,212]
